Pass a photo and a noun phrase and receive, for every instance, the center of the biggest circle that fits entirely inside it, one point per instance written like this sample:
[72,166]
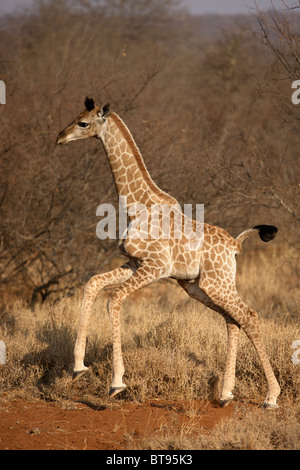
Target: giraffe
[206,271]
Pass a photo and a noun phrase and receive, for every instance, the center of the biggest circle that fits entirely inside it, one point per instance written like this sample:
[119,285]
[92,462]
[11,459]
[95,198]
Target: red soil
[42,425]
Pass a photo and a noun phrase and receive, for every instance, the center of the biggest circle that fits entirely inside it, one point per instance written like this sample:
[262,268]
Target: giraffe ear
[104,111]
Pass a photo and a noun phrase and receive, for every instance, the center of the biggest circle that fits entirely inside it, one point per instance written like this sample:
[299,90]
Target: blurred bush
[207,102]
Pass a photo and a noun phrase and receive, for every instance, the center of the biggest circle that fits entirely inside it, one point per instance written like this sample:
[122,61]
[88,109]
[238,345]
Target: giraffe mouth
[61,139]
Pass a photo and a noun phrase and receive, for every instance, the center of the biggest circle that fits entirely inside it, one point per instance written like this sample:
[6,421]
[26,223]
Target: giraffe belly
[175,262]
[185,266]
[155,250]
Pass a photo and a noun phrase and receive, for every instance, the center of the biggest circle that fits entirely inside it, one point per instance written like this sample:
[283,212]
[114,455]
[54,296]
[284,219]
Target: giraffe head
[90,123]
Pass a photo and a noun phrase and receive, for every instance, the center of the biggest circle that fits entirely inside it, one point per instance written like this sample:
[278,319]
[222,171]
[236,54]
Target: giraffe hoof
[113,391]
[77,374]
[226,402]
[270,406]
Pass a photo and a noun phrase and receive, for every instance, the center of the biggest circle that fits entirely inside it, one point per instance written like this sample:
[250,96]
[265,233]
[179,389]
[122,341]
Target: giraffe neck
[130,174]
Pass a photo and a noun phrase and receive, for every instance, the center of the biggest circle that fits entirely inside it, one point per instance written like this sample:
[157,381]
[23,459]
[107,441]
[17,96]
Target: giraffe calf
[206,270]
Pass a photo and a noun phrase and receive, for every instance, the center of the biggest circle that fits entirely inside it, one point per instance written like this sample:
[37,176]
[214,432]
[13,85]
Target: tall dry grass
[174,348]
[244,431]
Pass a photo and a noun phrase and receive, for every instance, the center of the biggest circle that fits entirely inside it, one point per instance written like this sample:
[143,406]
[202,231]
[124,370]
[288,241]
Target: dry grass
[174,348]
[256,430]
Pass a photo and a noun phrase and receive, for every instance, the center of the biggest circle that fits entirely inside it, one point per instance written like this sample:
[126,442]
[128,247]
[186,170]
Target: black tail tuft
[266,232]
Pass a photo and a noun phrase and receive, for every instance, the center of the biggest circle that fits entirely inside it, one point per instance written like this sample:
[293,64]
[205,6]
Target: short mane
[140,162]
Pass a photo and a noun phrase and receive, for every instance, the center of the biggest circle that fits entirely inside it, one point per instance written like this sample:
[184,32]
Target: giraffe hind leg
[247,318]
[233,329]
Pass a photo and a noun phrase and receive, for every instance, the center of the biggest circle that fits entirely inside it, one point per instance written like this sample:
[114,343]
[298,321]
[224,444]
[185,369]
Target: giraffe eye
[82,124]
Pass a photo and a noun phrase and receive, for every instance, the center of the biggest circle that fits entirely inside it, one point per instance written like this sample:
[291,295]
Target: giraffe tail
[266,233]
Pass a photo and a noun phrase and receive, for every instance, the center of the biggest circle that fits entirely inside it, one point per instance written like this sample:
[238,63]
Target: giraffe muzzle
[61,138]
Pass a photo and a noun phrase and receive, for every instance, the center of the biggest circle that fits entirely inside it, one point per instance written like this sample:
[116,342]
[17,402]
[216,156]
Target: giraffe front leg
[79,349]
[92,289]
[143,276]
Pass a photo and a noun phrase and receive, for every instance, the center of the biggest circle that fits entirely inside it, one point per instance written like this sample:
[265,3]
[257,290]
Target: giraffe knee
[91,285]
[114,300]
[253,314]
[92,288]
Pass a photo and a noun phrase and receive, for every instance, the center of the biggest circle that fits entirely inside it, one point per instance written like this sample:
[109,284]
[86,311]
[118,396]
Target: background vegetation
[208,100]
[208,104]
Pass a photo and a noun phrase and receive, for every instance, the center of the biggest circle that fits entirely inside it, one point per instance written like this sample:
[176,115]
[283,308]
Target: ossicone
[89,103]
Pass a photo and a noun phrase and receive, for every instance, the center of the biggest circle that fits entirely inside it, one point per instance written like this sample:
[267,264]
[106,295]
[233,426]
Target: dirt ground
[82,425]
